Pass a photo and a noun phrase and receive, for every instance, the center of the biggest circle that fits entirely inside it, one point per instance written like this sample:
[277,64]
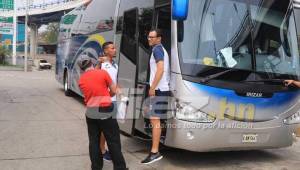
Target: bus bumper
[228,135]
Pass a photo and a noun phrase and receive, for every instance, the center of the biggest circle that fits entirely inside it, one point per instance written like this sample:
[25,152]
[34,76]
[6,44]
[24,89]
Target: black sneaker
[152,157]
[106,156]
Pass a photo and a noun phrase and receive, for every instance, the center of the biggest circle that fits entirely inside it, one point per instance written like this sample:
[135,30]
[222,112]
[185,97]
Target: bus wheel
[68,92]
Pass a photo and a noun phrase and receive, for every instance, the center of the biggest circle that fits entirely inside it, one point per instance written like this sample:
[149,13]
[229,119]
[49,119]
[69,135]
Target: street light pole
[15,27]
[26,38]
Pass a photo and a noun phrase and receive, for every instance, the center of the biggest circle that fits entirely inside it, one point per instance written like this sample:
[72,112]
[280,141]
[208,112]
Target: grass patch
[10,65]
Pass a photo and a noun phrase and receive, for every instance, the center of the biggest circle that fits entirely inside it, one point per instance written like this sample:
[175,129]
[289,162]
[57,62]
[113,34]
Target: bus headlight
[294,119]
[188,113]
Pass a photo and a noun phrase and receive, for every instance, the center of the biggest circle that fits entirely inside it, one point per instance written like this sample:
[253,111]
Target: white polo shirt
[112,70]
[159,53]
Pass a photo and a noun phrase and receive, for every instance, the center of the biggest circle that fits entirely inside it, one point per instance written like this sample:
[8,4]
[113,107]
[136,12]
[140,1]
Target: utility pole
[26,37]
[15,27]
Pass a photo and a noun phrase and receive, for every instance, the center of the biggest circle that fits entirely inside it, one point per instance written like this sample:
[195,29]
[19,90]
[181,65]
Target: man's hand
[102,59]
[288,82]
[151,91]
[118,91]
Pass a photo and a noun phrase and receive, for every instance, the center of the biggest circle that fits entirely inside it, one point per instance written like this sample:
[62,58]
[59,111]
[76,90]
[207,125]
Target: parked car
[44,64]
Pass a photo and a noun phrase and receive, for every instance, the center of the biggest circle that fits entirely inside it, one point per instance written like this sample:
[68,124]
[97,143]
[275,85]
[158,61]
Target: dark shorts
[158,105]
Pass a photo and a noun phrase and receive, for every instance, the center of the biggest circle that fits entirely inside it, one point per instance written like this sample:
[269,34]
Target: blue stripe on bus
[277,99]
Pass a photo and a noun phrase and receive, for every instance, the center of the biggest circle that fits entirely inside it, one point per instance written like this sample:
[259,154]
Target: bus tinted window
[164,23]
[119,28]
[145,24]
[128,44]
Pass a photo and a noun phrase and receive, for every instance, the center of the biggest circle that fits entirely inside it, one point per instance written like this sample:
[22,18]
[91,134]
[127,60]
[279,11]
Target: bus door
[127,65]
[161,19]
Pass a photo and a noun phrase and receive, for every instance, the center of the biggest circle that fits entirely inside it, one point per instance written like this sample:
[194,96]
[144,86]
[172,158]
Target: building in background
[6,4]
[6,28]
[7,39]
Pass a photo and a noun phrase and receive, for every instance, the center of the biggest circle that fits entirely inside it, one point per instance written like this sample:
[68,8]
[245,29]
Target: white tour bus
[228,59]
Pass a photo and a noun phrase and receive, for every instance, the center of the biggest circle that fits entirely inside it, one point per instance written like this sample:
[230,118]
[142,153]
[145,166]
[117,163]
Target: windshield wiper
[264,80]
[210,77]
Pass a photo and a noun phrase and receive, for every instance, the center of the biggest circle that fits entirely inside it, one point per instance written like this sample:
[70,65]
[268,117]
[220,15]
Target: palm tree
[3,53]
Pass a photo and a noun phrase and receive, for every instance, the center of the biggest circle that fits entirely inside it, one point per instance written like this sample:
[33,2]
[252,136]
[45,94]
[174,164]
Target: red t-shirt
[94,85]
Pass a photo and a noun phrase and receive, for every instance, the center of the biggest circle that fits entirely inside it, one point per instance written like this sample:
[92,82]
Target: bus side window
[129,42]
[145,24]
[119,28]
[164,23]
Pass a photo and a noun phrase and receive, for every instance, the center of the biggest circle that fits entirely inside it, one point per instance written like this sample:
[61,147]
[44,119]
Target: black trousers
[110,128]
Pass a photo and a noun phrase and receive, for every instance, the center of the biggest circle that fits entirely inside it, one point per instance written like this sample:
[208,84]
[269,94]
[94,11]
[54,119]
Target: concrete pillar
[33,40]
[15,27]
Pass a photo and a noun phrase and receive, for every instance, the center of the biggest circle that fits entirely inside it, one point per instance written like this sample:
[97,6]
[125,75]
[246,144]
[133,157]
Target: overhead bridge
[47,7]
[43,13]
[39,14]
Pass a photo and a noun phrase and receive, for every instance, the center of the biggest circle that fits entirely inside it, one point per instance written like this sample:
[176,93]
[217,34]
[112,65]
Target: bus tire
[67,91]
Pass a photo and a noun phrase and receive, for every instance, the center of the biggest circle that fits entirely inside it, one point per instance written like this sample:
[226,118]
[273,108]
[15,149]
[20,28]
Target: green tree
[3,53]
[51,33]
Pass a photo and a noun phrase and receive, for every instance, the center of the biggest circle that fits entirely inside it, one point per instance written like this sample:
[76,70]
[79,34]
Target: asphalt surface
[41,129]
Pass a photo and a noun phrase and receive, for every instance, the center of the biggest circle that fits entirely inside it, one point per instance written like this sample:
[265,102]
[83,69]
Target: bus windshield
[249,36]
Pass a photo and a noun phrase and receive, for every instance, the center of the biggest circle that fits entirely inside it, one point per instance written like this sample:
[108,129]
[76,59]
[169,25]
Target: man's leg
[154,155]
[94,139]
[112,134]
[156,133]
[102,143]
[104,151]
[159,110]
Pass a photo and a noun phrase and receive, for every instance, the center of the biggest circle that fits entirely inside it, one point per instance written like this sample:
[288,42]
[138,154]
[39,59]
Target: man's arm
[158,53]
[158,75]
[292,82]
[112,89]
[101,59]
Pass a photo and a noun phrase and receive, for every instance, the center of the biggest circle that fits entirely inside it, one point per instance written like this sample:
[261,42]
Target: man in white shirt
[108,64]
[159,91]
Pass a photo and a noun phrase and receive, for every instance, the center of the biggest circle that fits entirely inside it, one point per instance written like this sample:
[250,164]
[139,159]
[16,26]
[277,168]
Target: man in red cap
[97,88]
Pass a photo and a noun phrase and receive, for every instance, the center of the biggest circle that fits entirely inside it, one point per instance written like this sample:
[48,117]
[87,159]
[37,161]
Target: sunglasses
[151,37]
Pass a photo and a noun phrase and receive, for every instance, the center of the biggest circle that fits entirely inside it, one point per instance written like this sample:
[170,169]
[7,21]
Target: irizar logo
[252,94]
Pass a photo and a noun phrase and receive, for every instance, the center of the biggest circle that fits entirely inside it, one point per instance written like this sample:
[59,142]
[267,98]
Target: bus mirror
[180,9]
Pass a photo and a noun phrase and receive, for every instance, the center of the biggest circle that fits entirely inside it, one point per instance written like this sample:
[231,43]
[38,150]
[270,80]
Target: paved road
[40,128]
